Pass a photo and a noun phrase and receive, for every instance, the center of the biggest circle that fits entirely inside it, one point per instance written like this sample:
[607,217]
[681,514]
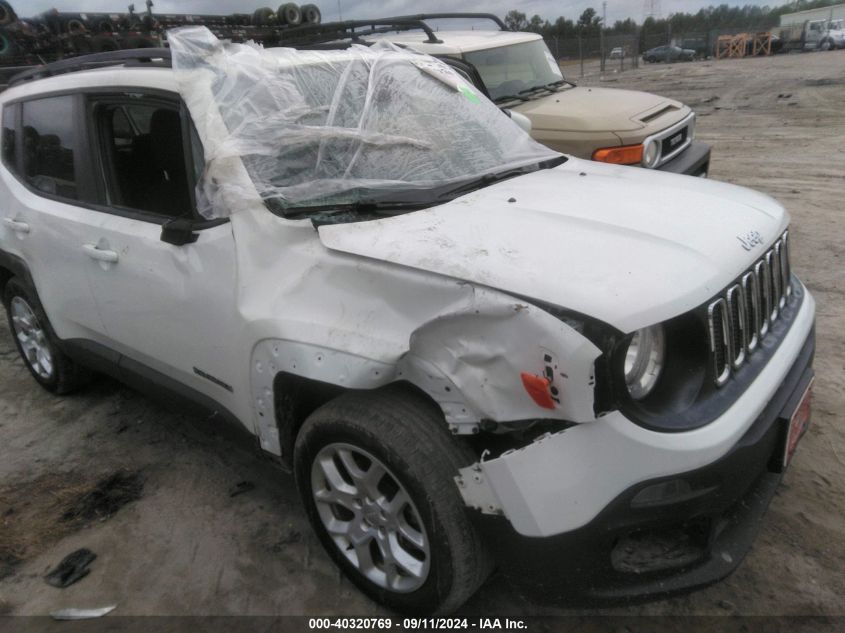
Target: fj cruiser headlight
[651,153]
[644,361]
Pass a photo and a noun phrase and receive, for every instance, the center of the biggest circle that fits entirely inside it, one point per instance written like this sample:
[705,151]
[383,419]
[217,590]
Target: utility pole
[601,32]
[339,12]
[580,49]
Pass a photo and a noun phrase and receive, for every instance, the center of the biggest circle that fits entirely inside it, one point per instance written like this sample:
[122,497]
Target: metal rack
[150,56]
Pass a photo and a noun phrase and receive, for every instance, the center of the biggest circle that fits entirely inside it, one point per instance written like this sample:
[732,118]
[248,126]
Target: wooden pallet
[737,46]
[762,44]
[731,46]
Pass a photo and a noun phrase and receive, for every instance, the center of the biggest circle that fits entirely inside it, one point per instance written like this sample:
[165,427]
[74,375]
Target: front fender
[471,362]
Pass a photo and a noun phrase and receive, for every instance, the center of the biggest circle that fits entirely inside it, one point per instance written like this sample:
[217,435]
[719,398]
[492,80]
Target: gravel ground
[187,547]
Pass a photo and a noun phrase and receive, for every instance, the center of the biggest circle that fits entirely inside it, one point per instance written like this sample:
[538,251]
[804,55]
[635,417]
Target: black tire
[7,14]
[263,16]
[66,375]
[8,47]
[290,14]
[75,26]
[407,434]
[81,44]
[140,41]
[103,43]
[311,14]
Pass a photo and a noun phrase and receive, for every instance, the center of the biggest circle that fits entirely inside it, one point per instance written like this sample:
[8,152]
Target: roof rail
[454,16]
[97,60]
[352,29]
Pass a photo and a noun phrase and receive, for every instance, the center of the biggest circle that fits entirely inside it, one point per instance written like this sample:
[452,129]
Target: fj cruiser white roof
[457,41]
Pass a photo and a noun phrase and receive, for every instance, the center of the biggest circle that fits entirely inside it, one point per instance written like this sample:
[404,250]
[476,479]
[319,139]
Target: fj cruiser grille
[742,317]
[673,140]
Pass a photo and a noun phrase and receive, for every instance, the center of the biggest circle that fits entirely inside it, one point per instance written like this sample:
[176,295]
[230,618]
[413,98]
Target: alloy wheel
[32,338]
[371,517]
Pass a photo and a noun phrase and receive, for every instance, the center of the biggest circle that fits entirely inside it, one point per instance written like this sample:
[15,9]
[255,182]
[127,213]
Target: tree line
[589,24]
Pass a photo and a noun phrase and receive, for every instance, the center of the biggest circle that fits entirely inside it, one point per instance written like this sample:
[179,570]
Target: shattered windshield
[515,70]
[334,128]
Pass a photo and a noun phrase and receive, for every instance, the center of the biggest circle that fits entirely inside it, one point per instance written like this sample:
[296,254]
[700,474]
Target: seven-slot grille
[743,316]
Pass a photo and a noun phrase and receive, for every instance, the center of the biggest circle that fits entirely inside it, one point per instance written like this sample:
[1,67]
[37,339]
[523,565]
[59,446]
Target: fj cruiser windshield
[516,70]
[319,129]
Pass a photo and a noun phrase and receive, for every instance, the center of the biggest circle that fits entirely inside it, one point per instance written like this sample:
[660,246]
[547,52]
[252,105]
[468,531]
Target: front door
[169,307]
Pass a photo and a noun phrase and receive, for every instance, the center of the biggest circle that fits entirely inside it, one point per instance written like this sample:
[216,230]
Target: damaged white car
[472,351]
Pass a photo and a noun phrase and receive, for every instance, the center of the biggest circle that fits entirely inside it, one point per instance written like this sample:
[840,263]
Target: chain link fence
[623,52]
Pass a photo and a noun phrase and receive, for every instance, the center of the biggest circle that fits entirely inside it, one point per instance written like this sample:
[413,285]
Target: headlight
[651,153]
[691,129]
[644,361]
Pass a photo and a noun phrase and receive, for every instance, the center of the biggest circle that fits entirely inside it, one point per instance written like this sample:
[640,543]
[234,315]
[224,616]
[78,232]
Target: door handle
[16,225]
[101,255]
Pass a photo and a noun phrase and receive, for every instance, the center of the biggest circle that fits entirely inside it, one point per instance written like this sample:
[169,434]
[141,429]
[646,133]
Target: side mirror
[178,231]
[520,119]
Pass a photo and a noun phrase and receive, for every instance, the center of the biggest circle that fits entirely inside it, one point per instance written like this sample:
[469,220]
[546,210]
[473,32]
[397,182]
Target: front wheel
[376,473]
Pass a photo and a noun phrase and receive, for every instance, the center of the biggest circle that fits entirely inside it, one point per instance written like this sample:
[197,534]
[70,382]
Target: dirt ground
[186,546]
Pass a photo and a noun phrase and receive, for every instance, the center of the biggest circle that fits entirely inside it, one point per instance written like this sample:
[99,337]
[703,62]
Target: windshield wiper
[504,98]
[362,208]
[549,87]
[489,179]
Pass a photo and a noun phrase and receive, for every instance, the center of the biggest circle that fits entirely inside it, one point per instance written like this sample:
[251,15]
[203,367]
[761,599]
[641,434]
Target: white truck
[811,35]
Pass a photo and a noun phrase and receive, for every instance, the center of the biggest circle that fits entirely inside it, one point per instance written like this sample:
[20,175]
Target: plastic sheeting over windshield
[323,128]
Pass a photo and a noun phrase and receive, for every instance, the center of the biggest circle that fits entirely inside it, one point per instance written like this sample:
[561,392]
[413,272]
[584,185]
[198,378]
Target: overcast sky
[547,9]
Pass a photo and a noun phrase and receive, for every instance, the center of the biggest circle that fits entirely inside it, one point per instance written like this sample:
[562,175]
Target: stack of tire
[59,34]
[8,42]
[288,14]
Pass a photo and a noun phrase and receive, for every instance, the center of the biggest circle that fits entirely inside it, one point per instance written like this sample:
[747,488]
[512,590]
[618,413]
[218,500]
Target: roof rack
[352,29]
[153,56]
[454,16]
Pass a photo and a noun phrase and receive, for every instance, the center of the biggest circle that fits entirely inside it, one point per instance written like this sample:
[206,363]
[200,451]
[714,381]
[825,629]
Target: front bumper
[563,481]
[693,161]
[643,546]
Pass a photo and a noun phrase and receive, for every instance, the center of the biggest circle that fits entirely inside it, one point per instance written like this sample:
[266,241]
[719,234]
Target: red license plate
[798,424]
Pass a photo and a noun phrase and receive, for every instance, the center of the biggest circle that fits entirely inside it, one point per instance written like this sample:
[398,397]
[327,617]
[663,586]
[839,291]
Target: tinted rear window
[49,142]
[9,136]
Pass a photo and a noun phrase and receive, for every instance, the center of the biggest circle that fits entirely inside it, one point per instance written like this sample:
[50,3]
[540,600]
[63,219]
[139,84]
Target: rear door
[46,218]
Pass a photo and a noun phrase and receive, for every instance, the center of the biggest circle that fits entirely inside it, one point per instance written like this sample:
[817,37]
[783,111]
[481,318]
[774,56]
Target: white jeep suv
[472,351]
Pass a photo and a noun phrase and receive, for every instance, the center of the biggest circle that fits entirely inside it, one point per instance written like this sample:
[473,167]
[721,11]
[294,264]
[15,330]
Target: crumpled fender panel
[481,353]
[468,359]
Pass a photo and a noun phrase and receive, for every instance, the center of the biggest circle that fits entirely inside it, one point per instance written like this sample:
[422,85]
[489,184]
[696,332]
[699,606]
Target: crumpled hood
[582,109]
[628,246]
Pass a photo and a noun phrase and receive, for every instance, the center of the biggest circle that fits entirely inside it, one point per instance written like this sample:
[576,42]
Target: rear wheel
[376,473]
[37,343]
